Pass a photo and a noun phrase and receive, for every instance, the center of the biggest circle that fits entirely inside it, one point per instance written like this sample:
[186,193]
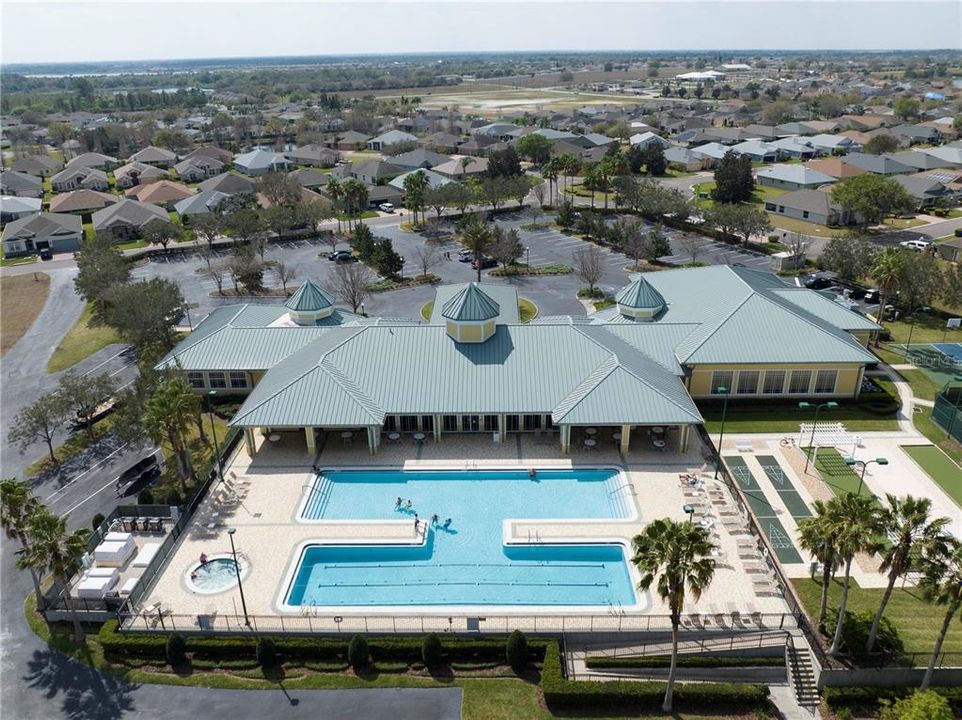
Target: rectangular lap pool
[466,563]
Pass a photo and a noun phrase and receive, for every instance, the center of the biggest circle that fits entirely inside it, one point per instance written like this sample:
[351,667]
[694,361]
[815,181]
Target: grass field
[939,467]
[22,297]
[785,418]
[917,620]
[840,478]
[489,100]
[82,341]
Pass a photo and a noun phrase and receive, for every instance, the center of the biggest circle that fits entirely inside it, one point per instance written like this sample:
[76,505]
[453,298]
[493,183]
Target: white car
[386,207]
[920,244]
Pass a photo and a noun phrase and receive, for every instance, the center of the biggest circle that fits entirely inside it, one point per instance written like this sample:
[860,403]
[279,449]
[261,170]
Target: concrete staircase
[801,675]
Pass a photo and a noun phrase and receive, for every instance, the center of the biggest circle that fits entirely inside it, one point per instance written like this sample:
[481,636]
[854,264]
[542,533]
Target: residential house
[346,140]
[878,164]
[757,150]
[203,203]
[435,180]
[260,162]
[391,137]
[126,219]
[926,191]
[198,168]
[418,158]
[589,155]
[794,146]
[378,194]
[309,177]
[306,197]
[793,177]
[441,142]
[42,231]
[150,155]
[813,206]
[919,160]
[163,192]
[950,249]
[647,139]
[316,155]
[463,167]
[797,128]
[951,156]
[477,146]
[229,183]
[95,160]
[833,144]
[138,173]
[684,159]
[498,131]
[835,167]
[20,184]
[916,134]
[39,165]
[14,208]
[372,172]
[209,151]
[763,132]
[82,202]
[710,153]
[78,177]
[866,122]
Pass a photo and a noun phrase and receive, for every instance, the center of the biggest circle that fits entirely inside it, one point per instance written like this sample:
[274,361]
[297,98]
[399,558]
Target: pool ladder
[537,537]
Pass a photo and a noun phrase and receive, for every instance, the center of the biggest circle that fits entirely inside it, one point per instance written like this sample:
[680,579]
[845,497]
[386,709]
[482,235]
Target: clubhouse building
[672,337]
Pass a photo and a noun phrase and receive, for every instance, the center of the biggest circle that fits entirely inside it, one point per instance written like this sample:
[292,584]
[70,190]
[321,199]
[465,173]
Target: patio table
[419,437]
[394,437]
[590,444]
[591,431]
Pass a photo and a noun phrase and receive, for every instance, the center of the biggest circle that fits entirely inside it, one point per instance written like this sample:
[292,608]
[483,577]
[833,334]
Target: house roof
[92,159]
[14,204]
[128,212]
[454,168]
[419,157]
[504,296]
[142,170]
[880,164]
[392,137]
[201,203]
[153,154]
[435,180]
[919,160]
[230,183]
[160,192]
[42,226]
[795,174]
[20,181]
[82,200]
[836,167]
[309,298]
[260,159]
[470,304]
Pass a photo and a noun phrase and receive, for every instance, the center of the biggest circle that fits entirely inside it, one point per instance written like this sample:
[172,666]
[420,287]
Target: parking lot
[714,253]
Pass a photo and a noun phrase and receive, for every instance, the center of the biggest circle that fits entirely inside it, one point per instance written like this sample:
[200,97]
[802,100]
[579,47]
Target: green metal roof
[640,294]
[309,298]
[470,304]
[504,295]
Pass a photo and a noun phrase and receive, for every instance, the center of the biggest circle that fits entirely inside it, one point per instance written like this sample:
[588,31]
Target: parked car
[386,207]
[466,256]
[486,262]
[342,256]
[141,471]
[920,244]
[46,254]
[871,297]
[819,282]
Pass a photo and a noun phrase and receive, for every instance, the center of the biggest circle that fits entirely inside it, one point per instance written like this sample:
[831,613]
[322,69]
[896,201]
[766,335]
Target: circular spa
[216,575]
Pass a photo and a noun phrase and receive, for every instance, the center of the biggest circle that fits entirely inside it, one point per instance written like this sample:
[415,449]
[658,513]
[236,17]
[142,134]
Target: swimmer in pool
[434,519]
[408,504]
[397,505]
[447,523]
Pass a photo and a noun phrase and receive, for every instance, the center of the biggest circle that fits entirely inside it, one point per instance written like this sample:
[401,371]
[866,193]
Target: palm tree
[942,584]
[855,521]
[677,554]
[17,507]
[54,550]
[415,185]
[476,236]
[887,270]
[817,535]
[355,196]
[169,413]
[335,192]
[550,173]
[907,519]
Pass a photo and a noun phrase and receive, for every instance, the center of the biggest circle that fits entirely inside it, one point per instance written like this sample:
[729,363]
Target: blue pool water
[466,564]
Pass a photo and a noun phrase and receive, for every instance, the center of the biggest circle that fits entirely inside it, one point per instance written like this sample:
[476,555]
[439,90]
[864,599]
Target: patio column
[683,438]
[437,428]
[373,438]
[249,441]
[502,424]
[565,435]
[309,436]
[625,437]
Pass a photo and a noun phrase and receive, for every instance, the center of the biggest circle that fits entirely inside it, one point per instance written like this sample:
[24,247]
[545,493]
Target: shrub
[855,633]
[516,650]
[927,705]
[431,651]
[176,650]
[266,653]
[358,653]
[97,521]
[865,700]
[146,497]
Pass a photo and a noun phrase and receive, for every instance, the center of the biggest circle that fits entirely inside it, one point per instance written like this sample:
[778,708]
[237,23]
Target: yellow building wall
[846,384]
[470,333]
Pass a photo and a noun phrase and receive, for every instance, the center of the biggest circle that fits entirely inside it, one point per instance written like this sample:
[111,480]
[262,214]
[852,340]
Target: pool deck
[269,490]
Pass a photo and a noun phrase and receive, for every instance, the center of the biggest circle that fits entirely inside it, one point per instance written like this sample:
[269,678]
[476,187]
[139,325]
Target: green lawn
[23,260]
[928,328]
[939,467]
[917,621]
[799,226]
[840,478]
[936,435]
[902,223]
[82,341]
[427,309]
[786,417]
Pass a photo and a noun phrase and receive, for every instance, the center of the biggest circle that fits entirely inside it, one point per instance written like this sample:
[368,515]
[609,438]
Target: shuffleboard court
[763,511]
[784,487]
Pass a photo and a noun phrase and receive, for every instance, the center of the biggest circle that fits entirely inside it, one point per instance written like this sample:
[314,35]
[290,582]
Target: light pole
[864,463]
[818,406]
[908,345]
[213,432]
[240,585]
[722,390]
[527,256]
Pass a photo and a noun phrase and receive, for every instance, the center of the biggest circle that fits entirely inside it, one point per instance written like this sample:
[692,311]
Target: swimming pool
[466,564]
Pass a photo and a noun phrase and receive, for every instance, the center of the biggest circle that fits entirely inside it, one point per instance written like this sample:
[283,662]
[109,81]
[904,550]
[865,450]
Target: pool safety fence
[56,606]
[160,620]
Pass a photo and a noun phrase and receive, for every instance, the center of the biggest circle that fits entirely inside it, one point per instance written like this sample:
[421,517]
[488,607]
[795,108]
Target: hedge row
[694,661]
[141,646]
[868,698]
[559,692]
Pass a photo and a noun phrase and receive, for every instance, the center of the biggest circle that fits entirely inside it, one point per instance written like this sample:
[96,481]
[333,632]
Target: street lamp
[689,511]
[864,463]
[721,390]
[527,256]
[908,345]
[831,405]
[240,585]
[213,431]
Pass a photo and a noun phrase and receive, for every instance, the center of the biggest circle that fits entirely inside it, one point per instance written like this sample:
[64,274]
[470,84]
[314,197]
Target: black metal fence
[947,412]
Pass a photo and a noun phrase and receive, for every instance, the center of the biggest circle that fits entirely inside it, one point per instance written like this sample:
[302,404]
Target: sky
[36,31]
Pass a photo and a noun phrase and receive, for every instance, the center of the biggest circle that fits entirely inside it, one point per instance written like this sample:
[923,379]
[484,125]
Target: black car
[342,256]
[486,263]
[46,254]
[142,471]
[818,282]
[871,297]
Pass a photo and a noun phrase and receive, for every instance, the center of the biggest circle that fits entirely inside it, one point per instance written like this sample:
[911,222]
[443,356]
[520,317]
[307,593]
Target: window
[770,207]
[196,380]
[449,423]
[781,208]
[721,379]
[238,379]
[470,423]
[748,382]
[800,381]
[217,380]
[409,423]
[427,423]
[491,423]
[774,382]
[532,422]
[825,382]
[511,423]
[390,423]
[805,214]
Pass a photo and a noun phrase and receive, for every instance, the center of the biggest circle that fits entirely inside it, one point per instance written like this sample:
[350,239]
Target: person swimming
[397,505]
[532,472]
[447,523]
[408,504]
[435,519]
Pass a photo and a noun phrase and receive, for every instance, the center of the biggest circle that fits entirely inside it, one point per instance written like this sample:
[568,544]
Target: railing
[739,640]
[311,623]
[900,660]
